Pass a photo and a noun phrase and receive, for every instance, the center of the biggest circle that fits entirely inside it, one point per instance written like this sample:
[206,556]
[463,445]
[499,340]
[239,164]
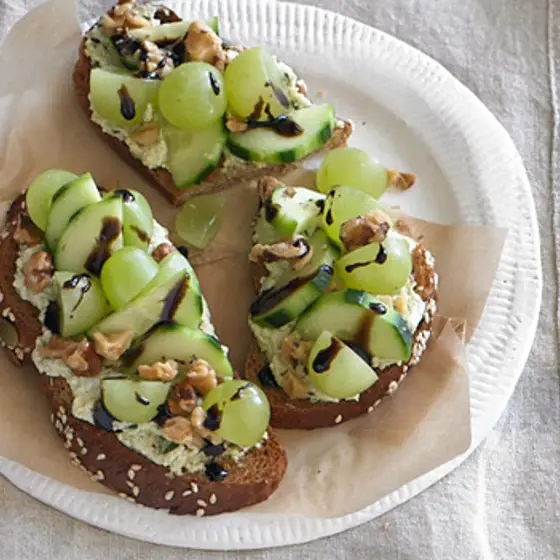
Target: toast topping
[182,400]
[202,376]
[360,231]
[400,180]
[147,134]
[422,264]
[295,251]
[112,346]
[159,371]
[38,272]
[179,430]
[161,251]
[27,233]
[80,356]
[203,45]
[123,16]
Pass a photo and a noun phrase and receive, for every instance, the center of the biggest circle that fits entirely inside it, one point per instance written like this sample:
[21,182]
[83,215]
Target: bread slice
[219,179]
[290,413]
[101,454]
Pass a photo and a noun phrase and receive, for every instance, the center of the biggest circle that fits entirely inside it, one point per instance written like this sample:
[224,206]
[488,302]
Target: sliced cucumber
[68,200]
[133,400]
[163,302]
[81,302]
[336,370]
[138,222]
[168,32]
[40,193]
[358,317]
[91,237]
[192,156]
[169,266]
[264,144]
[172,341]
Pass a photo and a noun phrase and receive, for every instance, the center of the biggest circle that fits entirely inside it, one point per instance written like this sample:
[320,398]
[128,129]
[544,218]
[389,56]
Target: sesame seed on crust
[186,493]
[169,495]
[101,457]
[338,419]
[201,503]
[200,512]
[213,499]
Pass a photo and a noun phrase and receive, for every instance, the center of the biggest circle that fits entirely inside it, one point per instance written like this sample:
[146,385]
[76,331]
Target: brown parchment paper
[332,471]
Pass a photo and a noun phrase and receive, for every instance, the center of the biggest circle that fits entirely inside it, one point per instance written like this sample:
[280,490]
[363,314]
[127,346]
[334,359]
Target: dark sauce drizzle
[267,379]
[280,95]
[356,265]
[165,15]
[126,195]
[184,251]
[215,472]
[214,83]
[128,108]
[378,307]
[282,125]
[142,235]
[141,399]
[360,350]
[73,283]
[238,394]
[213,418]
[329,217]
[320,204]
[110,230]
[270,210]
[173,300]
[213,449]
[103,418]
[52,317]
[325,357]
[380,258]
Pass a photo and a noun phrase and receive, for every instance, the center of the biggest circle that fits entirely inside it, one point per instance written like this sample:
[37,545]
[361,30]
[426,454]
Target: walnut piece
[360,231]
[402,181]
[294,251]
[202,376]
[198,417]
[113,346]
[147,134]
[266,186]
[38,271]
[400,303]
[159,371]
[122,17]
[26,232]
[161,251]
[182,399]
[402,227]
[235,125]
[202,44]
[79,356]
[426,278]
[294,386]
[295,349]
[179,429]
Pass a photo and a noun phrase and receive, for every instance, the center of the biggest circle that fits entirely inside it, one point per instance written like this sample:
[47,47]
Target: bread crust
[302,414]
[218,180]
[104,457]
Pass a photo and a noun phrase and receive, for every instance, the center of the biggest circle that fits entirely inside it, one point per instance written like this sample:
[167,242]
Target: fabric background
[504,501]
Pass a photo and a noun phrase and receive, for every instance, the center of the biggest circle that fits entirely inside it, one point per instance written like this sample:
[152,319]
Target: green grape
[130,400]
[169,266]
[336,370]
[81,302]
[354,168]
[242,410]
[344,203]
[125,274]
[198,222]
[192,96]
[380,270]
[138,221]
[253,75]
[121,99]
[40,193]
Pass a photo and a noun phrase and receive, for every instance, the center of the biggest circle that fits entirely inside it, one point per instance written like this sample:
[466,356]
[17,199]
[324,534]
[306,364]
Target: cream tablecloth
[504,502]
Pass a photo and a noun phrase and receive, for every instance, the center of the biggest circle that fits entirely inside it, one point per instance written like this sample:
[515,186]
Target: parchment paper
[332,471]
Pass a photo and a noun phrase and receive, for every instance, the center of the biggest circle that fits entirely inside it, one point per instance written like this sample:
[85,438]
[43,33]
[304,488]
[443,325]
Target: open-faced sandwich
[192,112]
[345,297]
[111,315]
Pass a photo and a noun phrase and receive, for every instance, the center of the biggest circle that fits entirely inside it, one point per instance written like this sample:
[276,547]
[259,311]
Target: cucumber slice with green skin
[68,200]
[336,370]
[191,156]
[159,303]
[170,341]
[91,237]
[40,193]
[126,108]
[137,217]
[133,400]
[266,145]
[81,302]
[293,213]
[358,317]
[169,266]
[169,32]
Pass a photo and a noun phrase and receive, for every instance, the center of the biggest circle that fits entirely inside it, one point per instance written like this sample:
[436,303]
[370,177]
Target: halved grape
[344,203]
[379,269]
[125,274]
[241,411]
[40,193]
[81,302]
[138,222]
[169,266]
[251,76]
[336,370]
[354,168]
[121,99]
[192,96]
[198,222]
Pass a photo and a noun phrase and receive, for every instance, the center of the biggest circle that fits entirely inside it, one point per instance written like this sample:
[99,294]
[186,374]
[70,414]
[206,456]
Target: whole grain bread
[292,413]
[101,454]
[219,179]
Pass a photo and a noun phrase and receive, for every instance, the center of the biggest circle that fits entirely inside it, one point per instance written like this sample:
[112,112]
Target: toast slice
[251,480]
[301,413]
[220,178]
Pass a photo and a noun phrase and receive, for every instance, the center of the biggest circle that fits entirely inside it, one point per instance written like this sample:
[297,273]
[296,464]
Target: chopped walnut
[266,186]
[155,60]
[294,386]
[202,376]
[402,181]
[202,44]
[79,356]
[292,251]
[295,349]
[147,134]
[159,371]
[27,233]
[179,429]
[235,125]
[402,227]
[113,346]
[38,272]
[360,231]
[301,86]
[400,303]
[182,399]
[290,192]
[161,251]
[121,17]
[426,278]
[197,418]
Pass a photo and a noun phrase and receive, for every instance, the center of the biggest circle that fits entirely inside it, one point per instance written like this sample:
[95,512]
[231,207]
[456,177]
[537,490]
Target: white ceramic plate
[413,114]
